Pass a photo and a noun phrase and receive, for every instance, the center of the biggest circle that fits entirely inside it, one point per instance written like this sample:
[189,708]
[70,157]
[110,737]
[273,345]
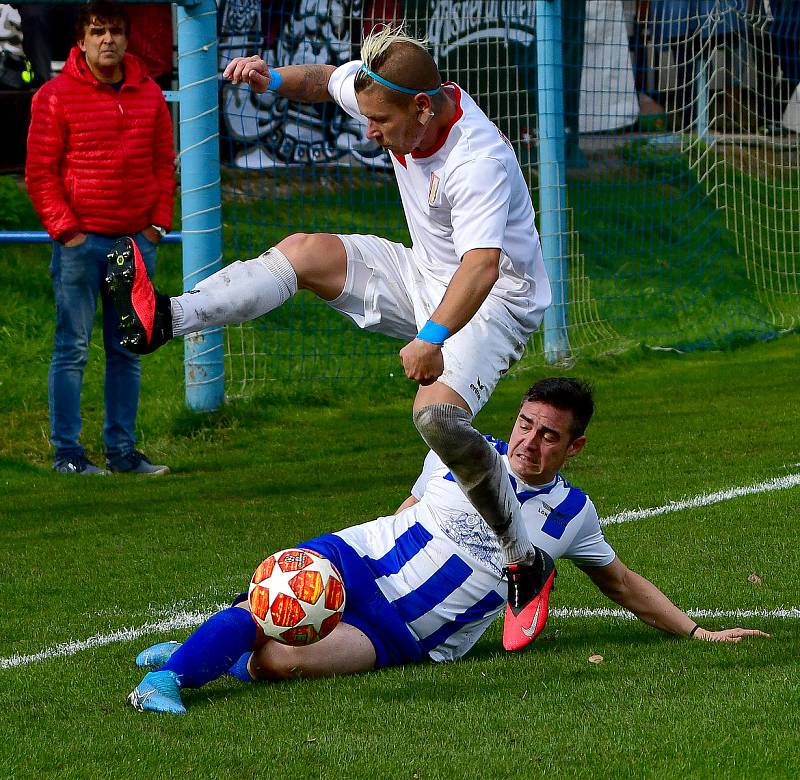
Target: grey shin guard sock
[480,472]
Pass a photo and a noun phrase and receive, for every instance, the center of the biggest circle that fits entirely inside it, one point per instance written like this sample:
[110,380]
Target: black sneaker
[529,585]
[145,316]
[77,464]
[134,462]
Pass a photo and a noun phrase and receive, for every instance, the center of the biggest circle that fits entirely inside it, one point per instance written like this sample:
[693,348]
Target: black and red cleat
[529,585]
[145,316]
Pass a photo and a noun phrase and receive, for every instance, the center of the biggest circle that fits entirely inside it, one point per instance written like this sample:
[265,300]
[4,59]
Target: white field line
[191,619]
[783,613]
[779,483]
[169,623]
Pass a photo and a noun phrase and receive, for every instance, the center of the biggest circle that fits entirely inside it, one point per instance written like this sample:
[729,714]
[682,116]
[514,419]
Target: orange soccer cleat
[529,585]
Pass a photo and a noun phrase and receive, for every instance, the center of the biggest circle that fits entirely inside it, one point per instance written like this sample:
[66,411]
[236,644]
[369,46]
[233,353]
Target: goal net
[681,157]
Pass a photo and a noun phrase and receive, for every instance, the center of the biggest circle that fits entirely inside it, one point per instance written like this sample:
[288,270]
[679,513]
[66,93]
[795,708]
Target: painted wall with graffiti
[267,130]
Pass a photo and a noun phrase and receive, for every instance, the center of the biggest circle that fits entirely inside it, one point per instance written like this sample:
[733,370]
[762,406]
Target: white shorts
[385,292]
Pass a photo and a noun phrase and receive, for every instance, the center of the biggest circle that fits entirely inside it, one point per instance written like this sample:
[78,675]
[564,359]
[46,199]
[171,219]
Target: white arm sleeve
[432,464]
[341,87]
[589,547]
[480,199]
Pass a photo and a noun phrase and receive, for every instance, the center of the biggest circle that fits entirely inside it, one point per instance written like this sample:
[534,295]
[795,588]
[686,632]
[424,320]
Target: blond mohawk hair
[377,43]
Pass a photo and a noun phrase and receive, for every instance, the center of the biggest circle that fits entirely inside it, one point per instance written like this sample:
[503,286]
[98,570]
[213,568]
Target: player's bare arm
[409,502]
[640,596]
[471,283]
[303,83]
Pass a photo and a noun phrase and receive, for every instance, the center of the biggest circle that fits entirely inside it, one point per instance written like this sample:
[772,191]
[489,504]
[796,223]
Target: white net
[682,182]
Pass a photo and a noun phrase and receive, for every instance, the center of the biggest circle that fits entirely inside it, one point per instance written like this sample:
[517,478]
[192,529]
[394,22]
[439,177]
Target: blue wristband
[275,80]
[434,333]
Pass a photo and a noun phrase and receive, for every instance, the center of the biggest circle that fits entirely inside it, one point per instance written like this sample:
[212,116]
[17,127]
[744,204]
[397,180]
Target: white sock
[239,292]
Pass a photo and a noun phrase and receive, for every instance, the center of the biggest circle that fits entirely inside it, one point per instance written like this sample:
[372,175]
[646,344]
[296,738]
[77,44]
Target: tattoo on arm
[306,83]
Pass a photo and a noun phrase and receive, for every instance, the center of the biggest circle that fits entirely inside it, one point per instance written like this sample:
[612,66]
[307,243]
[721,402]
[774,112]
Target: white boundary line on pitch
[192,619]
[169,623]
[779,483]
[782,613]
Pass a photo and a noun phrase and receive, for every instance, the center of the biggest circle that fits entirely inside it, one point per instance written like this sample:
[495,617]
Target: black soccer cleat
[529,585]
[145,316]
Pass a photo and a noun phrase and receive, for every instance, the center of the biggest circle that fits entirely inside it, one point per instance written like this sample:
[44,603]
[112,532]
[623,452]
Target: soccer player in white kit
[426,582]
[466,297]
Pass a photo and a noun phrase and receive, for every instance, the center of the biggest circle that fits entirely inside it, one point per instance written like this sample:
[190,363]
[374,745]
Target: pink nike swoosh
[530,631]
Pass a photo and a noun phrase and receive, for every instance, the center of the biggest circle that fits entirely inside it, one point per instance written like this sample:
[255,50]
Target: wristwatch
[160,230]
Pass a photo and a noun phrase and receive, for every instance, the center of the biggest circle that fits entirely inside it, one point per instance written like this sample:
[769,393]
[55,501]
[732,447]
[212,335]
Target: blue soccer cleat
[156,655]
[158,692]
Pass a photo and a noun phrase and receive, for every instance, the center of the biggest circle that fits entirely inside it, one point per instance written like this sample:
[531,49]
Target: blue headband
[396,87]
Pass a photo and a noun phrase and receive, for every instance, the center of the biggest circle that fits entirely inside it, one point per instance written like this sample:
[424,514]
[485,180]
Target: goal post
[552,174]
[201,197]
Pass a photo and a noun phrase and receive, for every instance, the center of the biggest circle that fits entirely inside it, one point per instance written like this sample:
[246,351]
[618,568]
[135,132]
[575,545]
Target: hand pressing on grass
[727,634]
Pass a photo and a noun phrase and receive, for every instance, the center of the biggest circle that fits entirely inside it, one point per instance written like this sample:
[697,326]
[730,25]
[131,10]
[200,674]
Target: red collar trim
[440,141]
[401,158]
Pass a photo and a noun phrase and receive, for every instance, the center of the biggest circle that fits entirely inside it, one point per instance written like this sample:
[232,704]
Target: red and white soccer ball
[296,596]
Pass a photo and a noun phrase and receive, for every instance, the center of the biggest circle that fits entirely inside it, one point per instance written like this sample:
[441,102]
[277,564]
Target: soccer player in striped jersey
[465,297]
[425,583]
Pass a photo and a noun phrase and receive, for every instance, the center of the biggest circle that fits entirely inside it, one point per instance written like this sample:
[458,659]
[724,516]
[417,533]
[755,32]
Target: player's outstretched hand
[248,70]
[728,634]
[422,361]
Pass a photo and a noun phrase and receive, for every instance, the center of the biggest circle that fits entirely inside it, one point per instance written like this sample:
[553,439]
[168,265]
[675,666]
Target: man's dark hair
[104,11]
[572,395]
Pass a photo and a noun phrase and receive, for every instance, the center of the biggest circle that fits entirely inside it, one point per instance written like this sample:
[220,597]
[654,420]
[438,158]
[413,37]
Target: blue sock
[239,669]
[211,650]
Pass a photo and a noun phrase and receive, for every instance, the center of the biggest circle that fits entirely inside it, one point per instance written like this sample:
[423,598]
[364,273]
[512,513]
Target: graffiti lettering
[454,23]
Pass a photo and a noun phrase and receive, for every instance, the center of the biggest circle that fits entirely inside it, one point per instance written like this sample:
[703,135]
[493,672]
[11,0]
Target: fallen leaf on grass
[596,659]
[755,579]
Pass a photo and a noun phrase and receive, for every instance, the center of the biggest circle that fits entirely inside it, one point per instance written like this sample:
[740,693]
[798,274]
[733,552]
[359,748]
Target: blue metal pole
[552,175]
[41,237]
[200,191]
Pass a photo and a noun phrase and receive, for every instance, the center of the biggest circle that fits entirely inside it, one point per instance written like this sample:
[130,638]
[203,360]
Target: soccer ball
[296,597]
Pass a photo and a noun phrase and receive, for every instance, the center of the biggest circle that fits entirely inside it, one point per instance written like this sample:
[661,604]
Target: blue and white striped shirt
[440,565]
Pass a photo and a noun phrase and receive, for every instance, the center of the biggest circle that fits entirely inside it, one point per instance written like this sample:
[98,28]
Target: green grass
[81,557]
[85,557]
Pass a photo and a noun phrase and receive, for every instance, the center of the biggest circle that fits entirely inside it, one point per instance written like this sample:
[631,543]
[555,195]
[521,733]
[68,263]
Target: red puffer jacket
[100,161]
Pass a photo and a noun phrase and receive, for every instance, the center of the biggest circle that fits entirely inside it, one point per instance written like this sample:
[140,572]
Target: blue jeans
[78,273]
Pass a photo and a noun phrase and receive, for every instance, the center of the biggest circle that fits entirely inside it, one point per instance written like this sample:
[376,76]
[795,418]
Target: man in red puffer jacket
[99,166]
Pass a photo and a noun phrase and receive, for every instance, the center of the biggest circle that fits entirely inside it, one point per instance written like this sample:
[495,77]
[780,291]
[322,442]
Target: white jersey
[440,565]
[467,192]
